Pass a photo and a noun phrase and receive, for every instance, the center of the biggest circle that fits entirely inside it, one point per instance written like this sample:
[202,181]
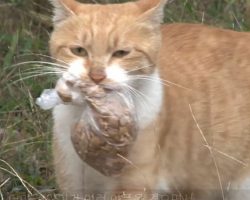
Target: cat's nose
[97,74]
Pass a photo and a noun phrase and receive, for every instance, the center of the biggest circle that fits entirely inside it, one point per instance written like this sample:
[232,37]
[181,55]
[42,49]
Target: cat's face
[107,44]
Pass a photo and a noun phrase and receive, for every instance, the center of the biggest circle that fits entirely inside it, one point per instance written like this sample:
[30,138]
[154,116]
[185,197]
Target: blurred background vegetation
[25,130]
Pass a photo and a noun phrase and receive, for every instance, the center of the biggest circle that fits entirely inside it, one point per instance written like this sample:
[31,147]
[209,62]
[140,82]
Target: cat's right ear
[152,11]
[63,9]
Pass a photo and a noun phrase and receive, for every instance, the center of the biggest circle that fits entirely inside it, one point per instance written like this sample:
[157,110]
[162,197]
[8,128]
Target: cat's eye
[79,51]
[120,53]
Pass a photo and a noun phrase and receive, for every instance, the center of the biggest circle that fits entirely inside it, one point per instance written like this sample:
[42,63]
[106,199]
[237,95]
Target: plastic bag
[105,133]
[48,99]
[63,93]
[107,128]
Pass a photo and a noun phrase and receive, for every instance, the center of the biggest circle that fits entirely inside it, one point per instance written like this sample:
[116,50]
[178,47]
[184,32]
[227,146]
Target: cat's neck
[149,100]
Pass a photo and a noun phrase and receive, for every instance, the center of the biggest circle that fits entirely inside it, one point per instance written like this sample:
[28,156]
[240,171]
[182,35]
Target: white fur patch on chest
[149,100]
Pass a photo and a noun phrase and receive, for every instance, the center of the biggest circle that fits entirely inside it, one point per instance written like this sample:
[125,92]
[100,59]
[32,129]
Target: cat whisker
[126,98]
[39,62]
[41,69]
[42,55]
[39,73]
[139,92]
[35,75]
[142,96]
[136,95]
[210,150]
[46,69]
[163,81]
[148,79]
[36,68]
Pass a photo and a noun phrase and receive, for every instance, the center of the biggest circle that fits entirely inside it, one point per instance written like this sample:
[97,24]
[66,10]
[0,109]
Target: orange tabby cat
[191,89]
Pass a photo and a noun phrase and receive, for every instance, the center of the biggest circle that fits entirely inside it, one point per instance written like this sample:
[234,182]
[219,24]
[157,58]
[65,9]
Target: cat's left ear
[152,11]
[63,9]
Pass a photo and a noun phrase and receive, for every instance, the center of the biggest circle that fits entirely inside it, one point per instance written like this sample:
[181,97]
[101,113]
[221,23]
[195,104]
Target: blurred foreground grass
[25,130]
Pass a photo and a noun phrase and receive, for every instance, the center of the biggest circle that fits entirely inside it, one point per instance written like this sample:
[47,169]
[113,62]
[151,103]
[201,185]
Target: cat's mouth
[77,90]
[91,89]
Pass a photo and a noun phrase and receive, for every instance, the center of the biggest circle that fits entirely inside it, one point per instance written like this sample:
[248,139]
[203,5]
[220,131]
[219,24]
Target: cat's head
[107,44]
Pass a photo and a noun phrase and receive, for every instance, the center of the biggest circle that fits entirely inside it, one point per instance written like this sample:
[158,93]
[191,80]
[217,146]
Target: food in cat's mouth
[105,133]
